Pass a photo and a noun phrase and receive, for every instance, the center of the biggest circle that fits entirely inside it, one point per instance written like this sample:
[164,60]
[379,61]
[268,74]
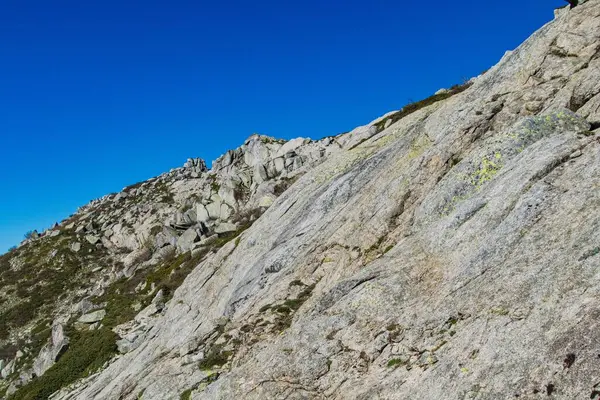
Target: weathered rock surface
[450,253]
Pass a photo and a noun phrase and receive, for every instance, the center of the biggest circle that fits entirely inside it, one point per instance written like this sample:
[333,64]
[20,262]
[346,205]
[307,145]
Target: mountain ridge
[446,252]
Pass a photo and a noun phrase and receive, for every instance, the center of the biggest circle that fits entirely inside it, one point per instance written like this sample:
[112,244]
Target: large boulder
[257,150]
[227,194]
[225,227]
[136,257]
[92,317]
[75,246]
[50,353]
[290,146]
[202,214]
[214,209]
[167,236]
[8,369]
[187,239]
[92,239]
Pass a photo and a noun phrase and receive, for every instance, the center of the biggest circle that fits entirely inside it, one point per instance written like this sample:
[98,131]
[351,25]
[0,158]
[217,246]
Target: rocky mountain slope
[449,250]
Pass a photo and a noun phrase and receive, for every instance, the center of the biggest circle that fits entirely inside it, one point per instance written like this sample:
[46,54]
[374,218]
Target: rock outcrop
[448,250]
[52,351]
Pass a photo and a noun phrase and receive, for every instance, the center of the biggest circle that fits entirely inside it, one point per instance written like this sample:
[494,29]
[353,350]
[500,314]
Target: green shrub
[86,353]
[283,185]
[395,362]
[293,304]
[186,395]
[296,282]
[119,309]
[4,332]
[264,308]
[8,352]
[30,235]
[23,312]
[283,309]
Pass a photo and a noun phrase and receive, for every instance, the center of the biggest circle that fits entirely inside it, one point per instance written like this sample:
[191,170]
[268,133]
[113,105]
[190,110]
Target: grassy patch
[216,357]
[119,304]
[289,306]
[134,186]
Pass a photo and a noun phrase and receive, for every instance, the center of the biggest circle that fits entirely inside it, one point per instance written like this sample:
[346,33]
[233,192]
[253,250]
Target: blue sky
[96,95]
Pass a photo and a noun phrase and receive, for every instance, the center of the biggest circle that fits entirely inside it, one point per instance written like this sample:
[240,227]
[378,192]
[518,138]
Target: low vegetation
[285,311]
[216,357]
[30,235]
[284,184]
[87,352]
[417,105]
[186,394]
[395,362]
[46,270]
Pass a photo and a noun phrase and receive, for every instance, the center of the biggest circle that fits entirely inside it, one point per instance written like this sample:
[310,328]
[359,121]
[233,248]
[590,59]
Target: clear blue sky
[96,95]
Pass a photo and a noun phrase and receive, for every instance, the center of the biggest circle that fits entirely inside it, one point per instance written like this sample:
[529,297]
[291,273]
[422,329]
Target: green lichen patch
[418,146]
[488,168]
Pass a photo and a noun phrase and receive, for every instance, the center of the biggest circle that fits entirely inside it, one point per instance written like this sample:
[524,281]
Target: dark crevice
[208,279]
[399,209]
[289,208]
[469,215]
[577,102]
[342,289]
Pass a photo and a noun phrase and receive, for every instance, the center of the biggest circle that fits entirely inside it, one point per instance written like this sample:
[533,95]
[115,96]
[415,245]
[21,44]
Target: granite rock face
[448,253]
